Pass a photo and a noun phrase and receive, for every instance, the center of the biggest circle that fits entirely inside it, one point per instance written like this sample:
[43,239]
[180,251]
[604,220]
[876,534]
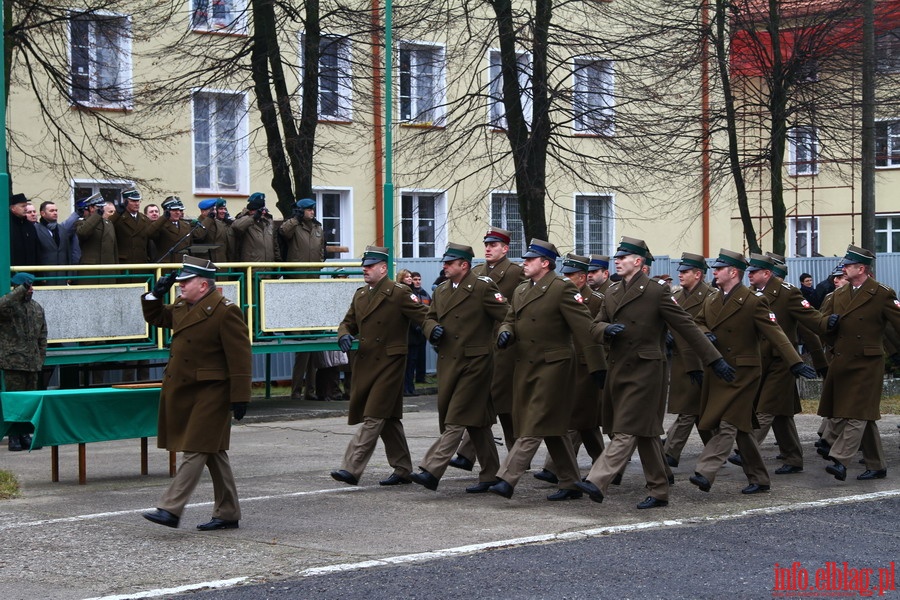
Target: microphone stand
[178,243]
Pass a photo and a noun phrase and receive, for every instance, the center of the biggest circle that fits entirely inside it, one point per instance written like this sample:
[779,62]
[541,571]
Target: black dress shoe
[565,495]
[344,476]
[617,480]
[461,462]
[502,488]
[25,440]
[590,489]
[755,488]
[672,462]
[651,502]
[215,523]
[700,481]
[823,452]
[788,470]
[162,517]
[395,479]
[736,459]
[838,470]
[481,487]
[15,444]
[548,476]
[425,479]
[869,474]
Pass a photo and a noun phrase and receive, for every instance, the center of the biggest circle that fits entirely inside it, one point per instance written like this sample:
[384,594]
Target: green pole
[4,171]
[388,196]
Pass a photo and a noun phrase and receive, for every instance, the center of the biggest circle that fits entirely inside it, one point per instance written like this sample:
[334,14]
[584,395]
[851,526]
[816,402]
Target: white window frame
[887,146]
[123,65]
[582,231]
[798,164]
[597,118]
[344,111]
[427,107]
[232,20]
[496,111]
[887,51]
[242,158]
[345,220]
[440,221]
[517,244]
[99,185]
[810,233]
[892,225]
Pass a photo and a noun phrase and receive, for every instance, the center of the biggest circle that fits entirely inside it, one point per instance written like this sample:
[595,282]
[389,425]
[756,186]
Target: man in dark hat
[379,315]
[546,325]
[735,319]
[254,232]
[507,275]
[24,248]
[172,233]
[467,307]
[635,314]
[851,394]
[686,372]
[213,213]
[206,381]
[132,229]
[97,236]
[598,273]
[778,398]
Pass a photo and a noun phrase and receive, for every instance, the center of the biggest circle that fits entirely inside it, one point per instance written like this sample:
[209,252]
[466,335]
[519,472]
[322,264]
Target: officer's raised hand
[803,370]
[723,370]
[345,342]
[164,284]
[436,334]
[613,330]
[239,409]
[503,339]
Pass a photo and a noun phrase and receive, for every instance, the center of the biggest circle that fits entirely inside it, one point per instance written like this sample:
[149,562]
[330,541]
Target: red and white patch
[579,298]
[414,297]
[897,303]
[772,317]
[805,303]
[674,300]
[499,297]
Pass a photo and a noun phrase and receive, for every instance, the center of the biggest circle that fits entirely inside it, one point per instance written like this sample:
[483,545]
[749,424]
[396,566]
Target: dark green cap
[573,263]
[730,258]
[856,255]
[374,254]
[457,251]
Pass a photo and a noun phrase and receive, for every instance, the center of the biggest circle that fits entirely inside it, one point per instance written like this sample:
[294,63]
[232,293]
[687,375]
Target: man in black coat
[24,248]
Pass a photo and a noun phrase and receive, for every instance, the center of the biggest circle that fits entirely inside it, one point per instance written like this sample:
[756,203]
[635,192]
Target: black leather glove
[228,218]
[723,370]
[120,208]
[167,214]
[195,222]
[833,321]
[696,377]
[895,359]
[599,378]
[613,330]
[164,284]
[345,342]
[239,409]
[711,337]
[670,340]
[503,339]
[803,370]
[436,334]
[822,372]
[258,215]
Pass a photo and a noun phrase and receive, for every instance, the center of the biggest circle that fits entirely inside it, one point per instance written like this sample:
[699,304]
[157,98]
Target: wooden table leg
[54,464]
[171,464]
[82,464]
[143,456]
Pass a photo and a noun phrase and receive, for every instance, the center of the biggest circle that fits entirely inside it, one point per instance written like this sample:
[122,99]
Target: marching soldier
[598,273]
[379,315]
[547,314]
[467,308]
[507,275]
[851,393]
[736,318]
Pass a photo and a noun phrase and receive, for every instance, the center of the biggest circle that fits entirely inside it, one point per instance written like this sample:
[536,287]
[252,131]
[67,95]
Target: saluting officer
[686,376]
[547,314]
[633,321]
[218,229]
[379,314]
[467,308]
[172,233]
[736,318]
[851,393]
[507,275]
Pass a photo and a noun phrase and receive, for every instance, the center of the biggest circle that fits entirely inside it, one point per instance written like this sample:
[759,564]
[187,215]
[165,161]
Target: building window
[804,236]
[219,15]
[505,214]
[497,112]
[887,51]
[592,98]
[887,144]
[335,92]
[420,214]
[220,140]
[333,211]
[421,84]
[593,225]
[111,190]
[100,54]
[887,233]
[804,151]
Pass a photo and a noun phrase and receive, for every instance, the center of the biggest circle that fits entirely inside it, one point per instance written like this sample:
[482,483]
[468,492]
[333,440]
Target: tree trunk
[778,100]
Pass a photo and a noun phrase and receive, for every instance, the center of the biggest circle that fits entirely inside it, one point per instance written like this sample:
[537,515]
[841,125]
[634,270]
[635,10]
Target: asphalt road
[304,535]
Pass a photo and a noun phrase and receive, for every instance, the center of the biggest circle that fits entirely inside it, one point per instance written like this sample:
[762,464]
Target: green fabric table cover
[81,416]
